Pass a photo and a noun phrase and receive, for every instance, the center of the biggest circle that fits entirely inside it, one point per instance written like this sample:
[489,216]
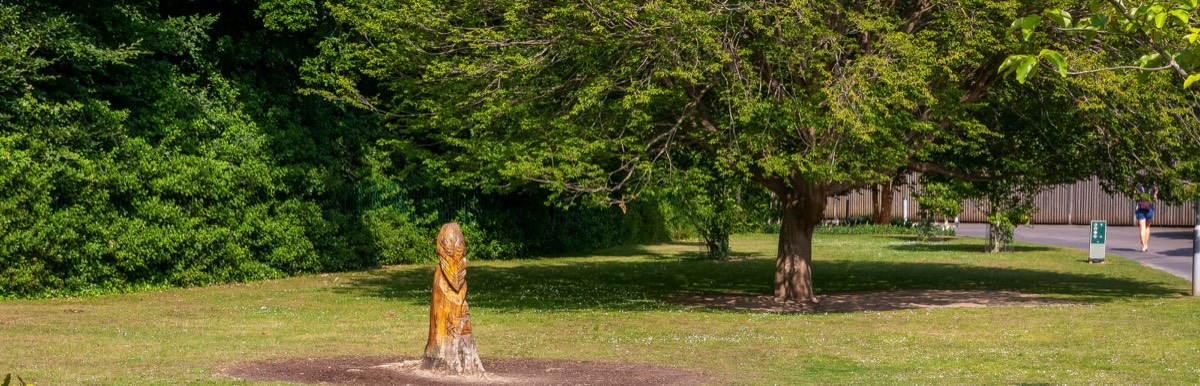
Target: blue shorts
[1144,214]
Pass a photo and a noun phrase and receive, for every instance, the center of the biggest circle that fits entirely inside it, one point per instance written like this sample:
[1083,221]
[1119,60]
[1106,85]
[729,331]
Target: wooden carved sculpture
[451,347]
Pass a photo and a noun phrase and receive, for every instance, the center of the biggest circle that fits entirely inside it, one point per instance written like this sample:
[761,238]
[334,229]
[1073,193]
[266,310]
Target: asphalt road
[1170,248]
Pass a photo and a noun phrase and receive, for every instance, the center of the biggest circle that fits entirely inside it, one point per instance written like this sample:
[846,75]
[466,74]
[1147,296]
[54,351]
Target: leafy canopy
[1129,58]
[592,98]
[1163,30]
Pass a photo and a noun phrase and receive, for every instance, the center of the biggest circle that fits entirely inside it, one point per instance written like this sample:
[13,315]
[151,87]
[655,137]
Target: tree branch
[1125,12]
[925,167]
[1167,67]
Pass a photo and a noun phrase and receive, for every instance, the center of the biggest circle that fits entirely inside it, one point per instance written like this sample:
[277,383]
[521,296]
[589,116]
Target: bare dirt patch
[870,301]
[405,371]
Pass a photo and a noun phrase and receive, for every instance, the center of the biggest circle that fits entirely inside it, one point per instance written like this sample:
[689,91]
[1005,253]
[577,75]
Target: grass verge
[1137,328]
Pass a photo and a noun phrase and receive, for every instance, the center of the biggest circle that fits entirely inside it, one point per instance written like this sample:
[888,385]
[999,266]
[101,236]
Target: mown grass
[1136,329]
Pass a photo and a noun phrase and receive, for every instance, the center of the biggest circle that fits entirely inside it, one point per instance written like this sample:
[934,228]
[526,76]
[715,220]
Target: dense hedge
[147,144]
[401,221]
[141,147]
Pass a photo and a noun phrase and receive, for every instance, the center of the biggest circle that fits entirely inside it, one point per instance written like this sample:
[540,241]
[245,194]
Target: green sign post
[1096,252]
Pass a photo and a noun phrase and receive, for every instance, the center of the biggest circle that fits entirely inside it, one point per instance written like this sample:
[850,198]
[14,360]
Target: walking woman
[1144,212]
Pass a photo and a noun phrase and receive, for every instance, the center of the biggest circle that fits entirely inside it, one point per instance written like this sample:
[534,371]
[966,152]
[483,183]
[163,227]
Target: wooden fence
[1077,204]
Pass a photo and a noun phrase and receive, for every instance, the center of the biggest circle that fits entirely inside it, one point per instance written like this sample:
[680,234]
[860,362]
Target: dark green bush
[163,144]
[396,238]
[509,226]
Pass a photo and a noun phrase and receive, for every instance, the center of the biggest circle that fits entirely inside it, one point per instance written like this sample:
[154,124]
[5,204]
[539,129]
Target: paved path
[1170,248]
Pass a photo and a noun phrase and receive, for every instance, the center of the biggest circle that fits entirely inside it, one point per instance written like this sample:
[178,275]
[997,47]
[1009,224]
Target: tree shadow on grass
[619,251]
[548,285]
[641,282]
[841,276]
[695,250]
[914,244]
[700,256]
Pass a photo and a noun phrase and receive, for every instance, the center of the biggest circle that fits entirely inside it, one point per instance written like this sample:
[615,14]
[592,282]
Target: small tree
[1007,205]
[938,198]
[710,204]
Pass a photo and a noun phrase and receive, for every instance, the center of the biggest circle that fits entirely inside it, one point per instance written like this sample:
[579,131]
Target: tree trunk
[717,241]
[803,207]
[451,346]
[999,238]
[882,211]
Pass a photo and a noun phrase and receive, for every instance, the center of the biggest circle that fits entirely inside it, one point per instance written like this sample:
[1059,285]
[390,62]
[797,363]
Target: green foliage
[679,226]
[596,100]
[397,239]
[130,162]
[709,204]
[1146,124]
[1008,204]
[864,225]
[702,200]
[1165,38]
[145,145]
[509,226]
[607,101]
[1139,114]
[855,220]
[938,199]
[402,217]
[1014,162]
[1002,221]
[288,14]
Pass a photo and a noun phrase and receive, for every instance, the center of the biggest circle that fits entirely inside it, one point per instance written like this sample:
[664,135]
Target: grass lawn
[1136,329]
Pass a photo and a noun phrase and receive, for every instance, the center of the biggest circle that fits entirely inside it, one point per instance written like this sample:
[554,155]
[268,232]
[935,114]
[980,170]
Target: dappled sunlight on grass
[632,283]
[636,278]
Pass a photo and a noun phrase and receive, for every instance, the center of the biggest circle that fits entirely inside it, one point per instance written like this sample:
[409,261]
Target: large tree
[806,98]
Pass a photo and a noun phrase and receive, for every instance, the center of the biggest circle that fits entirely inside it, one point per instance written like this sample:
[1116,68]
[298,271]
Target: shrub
[132,161]
[496,226]
[396,237]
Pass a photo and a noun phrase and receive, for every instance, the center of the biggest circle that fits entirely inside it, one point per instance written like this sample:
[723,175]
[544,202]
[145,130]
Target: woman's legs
[1144,227]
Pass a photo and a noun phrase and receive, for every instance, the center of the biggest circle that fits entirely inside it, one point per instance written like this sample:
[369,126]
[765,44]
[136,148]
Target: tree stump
[451,347]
